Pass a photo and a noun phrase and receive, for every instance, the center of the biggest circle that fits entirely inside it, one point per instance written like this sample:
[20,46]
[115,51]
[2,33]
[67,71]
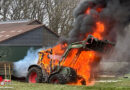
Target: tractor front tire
[34,75]
[57,79]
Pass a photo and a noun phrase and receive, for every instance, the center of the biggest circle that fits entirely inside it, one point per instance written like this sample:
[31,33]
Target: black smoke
[115,14]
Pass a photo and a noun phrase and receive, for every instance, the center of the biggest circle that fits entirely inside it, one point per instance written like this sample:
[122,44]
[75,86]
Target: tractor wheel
[57,79]
[72,75]
[34,75]
[69,74]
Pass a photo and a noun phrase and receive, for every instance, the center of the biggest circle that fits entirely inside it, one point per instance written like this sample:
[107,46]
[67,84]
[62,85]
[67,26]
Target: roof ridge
[14,21]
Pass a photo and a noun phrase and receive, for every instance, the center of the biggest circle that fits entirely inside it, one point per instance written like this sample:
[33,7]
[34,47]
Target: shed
[18,36]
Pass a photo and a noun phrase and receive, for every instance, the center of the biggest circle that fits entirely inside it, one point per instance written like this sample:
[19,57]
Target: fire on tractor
[67,69]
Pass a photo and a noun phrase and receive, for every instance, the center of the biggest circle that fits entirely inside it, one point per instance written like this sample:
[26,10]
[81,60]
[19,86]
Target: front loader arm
[91,43]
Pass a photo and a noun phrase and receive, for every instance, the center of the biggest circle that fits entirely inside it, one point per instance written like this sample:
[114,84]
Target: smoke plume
[21,66]
[119,61]
[115,14]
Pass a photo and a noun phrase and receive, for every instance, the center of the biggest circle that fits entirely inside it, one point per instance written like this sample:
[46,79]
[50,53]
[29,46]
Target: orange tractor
[48,70]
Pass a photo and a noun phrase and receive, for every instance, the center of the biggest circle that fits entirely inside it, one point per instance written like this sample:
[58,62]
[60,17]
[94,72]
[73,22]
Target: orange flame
[82,65]
[81,62]
[99,30]
[88,11]
[99,10]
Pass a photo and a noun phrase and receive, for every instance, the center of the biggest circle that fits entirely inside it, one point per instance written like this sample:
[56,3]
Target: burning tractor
[49,69]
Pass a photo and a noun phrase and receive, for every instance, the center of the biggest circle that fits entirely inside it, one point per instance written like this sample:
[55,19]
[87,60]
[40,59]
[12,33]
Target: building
[18,36]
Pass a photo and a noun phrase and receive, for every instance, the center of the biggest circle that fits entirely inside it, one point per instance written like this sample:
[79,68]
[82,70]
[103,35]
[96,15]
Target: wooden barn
[18,36]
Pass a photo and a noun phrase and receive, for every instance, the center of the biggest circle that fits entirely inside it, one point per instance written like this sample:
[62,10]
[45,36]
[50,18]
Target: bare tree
[4,6]
[56,14]
[60,15]
[22,9]
[27,9]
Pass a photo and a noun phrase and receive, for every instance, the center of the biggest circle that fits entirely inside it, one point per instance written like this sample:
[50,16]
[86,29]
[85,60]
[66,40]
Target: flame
[81,61]
[98,10]
[100,28]
[87,11]
[58,50]
[83,66]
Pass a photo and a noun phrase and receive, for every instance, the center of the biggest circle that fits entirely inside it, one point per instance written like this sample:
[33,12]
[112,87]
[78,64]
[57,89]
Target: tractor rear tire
[57,79]
[34,75]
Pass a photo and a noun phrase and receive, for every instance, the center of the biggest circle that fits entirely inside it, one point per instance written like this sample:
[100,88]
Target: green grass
[121,85]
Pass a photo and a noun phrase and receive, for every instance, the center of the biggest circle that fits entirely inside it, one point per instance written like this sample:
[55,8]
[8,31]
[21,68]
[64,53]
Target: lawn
[122,84]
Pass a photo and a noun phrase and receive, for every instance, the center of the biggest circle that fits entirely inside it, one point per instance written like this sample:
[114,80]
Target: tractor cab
[45,60]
